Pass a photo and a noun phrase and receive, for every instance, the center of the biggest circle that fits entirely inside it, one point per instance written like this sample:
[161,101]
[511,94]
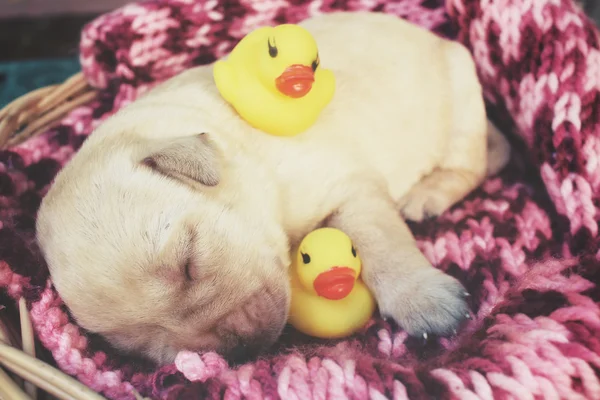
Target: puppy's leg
[406,286]
[498,150]
[464,164]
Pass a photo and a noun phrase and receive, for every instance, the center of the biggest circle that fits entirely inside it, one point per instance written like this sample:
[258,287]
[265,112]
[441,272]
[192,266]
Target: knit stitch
[525,244]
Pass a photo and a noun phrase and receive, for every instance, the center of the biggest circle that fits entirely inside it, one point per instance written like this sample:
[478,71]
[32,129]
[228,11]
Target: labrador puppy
[171,228]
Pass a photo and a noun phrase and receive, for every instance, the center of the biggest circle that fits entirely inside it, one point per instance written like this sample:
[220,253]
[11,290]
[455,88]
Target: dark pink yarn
[525,244]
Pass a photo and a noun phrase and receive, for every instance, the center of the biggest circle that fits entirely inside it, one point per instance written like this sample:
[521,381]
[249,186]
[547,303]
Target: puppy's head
[147,247]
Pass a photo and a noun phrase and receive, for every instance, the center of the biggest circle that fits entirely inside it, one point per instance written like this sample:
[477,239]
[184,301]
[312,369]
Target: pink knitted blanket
[526,244]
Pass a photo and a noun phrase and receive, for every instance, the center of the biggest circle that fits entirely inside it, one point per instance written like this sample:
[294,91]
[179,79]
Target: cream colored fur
[162,239]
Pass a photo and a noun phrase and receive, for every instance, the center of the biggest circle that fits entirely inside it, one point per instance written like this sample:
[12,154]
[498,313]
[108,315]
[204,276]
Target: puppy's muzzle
[253,327]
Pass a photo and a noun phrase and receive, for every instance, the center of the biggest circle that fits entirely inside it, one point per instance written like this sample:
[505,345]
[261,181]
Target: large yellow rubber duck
[329,300]
[274,81]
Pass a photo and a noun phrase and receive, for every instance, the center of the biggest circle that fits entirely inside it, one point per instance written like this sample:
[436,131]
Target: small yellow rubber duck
[273,79]
[329,300]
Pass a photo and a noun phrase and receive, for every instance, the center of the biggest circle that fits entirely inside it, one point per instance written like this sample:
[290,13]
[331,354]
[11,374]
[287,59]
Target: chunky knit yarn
[525,244]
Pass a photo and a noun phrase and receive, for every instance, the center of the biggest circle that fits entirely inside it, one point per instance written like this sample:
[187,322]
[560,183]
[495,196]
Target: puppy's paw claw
[434,305]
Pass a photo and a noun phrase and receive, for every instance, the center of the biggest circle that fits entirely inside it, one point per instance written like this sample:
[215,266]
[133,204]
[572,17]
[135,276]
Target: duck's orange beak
[336,283]
[296,81]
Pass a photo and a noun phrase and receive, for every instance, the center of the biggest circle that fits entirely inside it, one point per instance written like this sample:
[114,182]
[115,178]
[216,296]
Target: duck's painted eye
[315,64]
[353,251]
[272,48]
[305,258]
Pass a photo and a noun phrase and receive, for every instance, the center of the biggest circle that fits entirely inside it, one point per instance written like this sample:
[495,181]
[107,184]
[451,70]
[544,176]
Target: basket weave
[30,115]
[35,112]
[23,373]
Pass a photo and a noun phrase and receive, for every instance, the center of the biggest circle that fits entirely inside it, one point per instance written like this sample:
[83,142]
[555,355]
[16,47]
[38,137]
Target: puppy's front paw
[436,193]
[424,202]
[431,302]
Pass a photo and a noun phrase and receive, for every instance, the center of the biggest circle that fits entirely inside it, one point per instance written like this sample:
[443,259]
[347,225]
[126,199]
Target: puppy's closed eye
[177,262]
[189,157]
[188,270]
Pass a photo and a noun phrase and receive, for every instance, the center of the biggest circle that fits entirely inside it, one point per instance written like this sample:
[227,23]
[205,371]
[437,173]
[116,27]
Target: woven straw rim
[31,373]
[35,112]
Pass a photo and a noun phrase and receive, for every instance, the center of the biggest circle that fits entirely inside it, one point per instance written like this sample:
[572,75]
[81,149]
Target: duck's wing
[225,79]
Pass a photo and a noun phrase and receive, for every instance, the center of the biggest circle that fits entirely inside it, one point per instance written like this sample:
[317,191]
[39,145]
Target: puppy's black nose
[245,352]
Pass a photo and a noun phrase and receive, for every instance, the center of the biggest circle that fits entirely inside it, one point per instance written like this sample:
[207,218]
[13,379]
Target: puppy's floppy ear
[192,157]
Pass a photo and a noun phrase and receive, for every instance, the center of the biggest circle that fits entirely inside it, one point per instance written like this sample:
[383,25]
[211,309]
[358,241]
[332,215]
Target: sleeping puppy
[172,226]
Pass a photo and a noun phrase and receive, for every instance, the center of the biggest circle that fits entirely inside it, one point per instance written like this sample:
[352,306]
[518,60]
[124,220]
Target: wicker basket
[35,112]
[24,373]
